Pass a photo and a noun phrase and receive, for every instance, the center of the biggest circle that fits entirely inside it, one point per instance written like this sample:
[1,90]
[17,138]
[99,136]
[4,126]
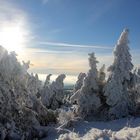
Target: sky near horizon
[57,35]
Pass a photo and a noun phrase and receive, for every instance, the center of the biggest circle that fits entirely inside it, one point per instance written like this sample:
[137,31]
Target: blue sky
[57,35]
[83,21]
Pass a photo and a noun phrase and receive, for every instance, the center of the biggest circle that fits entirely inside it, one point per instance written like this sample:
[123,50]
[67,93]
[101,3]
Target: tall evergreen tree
[79,81]
[87,99]
[116,89]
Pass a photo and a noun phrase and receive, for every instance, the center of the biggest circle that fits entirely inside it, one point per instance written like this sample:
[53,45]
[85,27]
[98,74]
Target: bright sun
[12,37]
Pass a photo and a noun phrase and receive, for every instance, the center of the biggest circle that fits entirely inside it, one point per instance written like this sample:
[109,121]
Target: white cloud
[73,45]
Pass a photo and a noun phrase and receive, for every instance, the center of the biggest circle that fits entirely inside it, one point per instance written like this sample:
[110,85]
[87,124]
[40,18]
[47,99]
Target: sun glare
[12,37]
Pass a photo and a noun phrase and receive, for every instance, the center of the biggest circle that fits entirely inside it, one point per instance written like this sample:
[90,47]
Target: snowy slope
[122,129]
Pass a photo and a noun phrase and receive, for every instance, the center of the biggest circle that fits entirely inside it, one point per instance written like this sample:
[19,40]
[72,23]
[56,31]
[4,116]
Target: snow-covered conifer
[18,102]
[87,97]
[47,81]
[134,85]
[102,74]
[79,81]
[53,94]
[34,84]
[116,89]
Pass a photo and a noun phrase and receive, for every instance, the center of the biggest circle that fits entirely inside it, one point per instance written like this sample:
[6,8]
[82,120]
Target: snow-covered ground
[122,129]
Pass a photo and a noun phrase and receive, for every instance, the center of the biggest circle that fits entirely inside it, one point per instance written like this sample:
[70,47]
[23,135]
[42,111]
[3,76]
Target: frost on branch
[116,89]
[53,94]
[87,98]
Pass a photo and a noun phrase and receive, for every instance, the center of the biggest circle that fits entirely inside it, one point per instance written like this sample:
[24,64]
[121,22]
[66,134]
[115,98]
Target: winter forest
[31,109]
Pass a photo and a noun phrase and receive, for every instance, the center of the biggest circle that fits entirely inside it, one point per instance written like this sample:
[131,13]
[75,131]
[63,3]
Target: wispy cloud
[73,45]
[46,51]
[44,1]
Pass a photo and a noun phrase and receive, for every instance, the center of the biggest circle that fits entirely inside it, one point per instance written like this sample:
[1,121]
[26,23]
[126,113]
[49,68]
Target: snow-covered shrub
[65,116]
[45,115]
[53,94]
[116,89]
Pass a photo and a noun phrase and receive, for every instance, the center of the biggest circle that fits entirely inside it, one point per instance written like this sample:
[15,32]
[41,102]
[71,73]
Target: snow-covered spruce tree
[12,89]
[101,75]
[20,110]
[134,86]
[79,81]
[75,93]
[87,98]
[53,94]
[34,85]
[116,89]
[101,84]
[47,81]
[137,77]
[138,71]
